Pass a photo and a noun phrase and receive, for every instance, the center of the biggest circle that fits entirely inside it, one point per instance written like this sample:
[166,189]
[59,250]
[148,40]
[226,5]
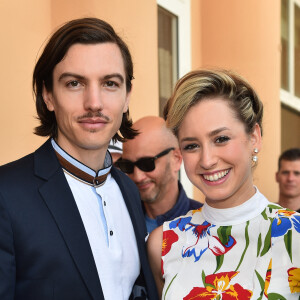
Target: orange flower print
[169,238]
[294,279]
[218,287]
[268,278]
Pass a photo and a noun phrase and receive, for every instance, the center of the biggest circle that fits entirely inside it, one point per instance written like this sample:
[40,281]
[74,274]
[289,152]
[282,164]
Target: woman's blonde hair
[206,84]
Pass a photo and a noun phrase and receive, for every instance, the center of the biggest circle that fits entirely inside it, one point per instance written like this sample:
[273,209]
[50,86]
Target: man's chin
[291,195]
[148,200]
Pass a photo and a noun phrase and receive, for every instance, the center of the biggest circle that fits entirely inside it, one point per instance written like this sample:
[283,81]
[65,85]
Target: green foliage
[246,246]
[274,206]
[259,243]
[219,259]
[275,296]
[169,286]
[267,243]
[223,233]
[203,280]
[288,243]
[264,215]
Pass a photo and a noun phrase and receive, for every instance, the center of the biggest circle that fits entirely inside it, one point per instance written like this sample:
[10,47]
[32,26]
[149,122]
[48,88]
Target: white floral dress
[251,251]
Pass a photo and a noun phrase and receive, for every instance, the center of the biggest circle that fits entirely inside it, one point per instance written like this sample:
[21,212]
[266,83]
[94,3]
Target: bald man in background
[152,160]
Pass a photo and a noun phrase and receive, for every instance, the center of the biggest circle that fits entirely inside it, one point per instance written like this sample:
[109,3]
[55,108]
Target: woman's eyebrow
[217,131]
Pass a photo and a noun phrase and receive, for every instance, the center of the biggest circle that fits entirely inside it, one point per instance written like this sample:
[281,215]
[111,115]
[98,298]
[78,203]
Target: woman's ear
[256,137]
[48,98]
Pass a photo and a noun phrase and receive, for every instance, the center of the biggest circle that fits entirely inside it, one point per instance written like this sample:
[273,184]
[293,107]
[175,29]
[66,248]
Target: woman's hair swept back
[83,31]
[206,84]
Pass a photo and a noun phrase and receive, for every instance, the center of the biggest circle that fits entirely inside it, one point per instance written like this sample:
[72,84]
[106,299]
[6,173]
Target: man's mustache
[94,115]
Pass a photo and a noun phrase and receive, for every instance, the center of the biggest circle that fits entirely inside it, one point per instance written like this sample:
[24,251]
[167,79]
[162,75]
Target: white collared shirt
[109,229]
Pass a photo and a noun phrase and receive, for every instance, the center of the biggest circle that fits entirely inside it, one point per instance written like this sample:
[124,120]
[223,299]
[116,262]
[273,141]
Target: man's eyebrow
[68,74]
[80,77]
[109,76]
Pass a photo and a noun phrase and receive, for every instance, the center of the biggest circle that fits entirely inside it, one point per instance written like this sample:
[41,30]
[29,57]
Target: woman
[239,245]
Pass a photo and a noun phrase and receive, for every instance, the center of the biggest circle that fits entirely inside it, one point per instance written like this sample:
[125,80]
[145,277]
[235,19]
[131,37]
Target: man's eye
[73,83]
[111,84]
[222,139]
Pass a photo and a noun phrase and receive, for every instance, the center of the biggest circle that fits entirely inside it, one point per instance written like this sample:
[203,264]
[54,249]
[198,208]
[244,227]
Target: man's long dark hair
[83,31]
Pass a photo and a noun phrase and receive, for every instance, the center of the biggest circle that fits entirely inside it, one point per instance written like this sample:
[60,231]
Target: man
[152,160]
[71,226]
[288,177]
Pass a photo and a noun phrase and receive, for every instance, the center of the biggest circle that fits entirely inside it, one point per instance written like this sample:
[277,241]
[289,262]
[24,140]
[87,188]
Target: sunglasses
[146,164]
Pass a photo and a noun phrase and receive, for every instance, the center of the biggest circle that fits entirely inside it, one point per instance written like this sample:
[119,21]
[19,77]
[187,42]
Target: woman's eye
[190,147]
[222,139]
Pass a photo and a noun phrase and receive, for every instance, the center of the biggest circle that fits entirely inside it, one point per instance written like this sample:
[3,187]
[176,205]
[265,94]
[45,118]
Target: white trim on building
[182,9]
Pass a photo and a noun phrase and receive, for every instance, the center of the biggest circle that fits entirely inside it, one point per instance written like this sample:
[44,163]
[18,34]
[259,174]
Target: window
[284,45]
[174,51]
[290,53]
[167,55]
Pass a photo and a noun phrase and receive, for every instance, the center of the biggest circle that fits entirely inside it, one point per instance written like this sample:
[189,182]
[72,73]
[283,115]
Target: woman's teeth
[216,176]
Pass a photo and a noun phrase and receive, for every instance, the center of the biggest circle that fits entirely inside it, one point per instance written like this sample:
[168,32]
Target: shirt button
[104,203]
[111,232]
[97,181]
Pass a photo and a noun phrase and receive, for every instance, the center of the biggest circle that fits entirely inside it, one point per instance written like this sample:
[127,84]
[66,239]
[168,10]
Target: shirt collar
[79,170]
[238,214]
[181,207]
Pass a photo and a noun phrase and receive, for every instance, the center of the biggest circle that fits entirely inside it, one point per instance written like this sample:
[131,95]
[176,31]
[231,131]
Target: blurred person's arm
[154,246]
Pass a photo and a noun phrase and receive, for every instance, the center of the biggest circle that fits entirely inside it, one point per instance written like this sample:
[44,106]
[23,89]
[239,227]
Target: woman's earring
[255,157]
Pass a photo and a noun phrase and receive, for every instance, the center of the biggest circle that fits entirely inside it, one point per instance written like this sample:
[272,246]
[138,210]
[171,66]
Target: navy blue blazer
[44,249]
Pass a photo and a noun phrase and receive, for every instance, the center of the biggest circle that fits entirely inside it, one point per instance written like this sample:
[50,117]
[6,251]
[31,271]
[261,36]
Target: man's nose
[137,175]
[291,176]
[93,98]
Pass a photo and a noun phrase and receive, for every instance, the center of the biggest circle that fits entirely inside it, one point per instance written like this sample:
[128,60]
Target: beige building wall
[24,28]
[244,36]
[24,25]
[240,35]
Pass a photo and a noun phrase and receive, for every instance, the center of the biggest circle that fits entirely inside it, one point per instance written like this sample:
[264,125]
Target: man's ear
[256,137]
[48,98]
[127,100]
[277,177]
[177,159]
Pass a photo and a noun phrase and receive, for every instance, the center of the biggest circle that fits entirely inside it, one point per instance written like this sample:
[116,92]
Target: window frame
[182,9]
[289,98]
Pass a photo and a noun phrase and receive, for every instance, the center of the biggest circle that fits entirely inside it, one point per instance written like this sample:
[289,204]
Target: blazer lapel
[60,201]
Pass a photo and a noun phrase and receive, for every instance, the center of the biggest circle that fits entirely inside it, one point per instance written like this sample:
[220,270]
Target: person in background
[238,245]
[288,178]
[71,225]
[115,149]
[152,160]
